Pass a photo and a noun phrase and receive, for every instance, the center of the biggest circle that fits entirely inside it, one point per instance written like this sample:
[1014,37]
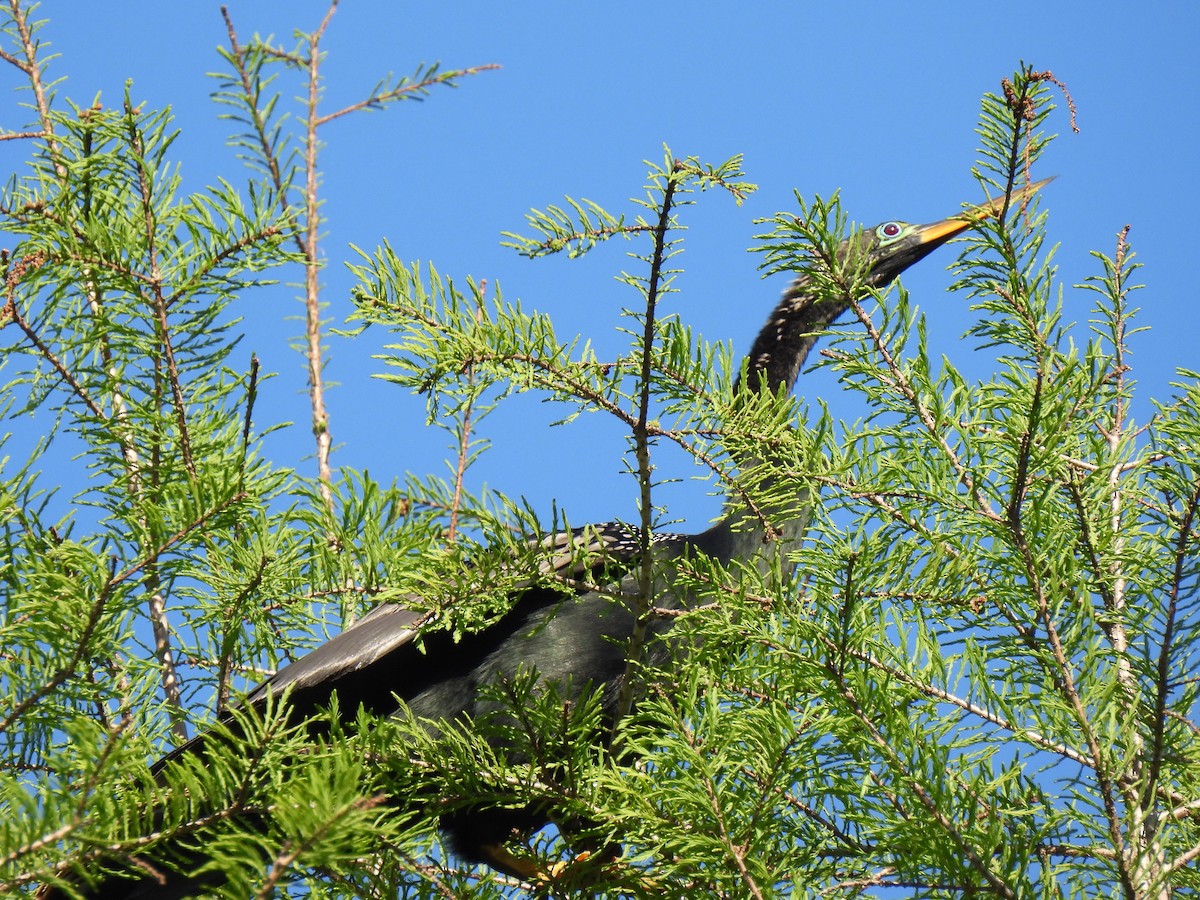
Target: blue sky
[877,100]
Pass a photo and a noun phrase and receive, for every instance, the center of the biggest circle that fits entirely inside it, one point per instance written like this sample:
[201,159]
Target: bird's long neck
[785,341]
[760,532]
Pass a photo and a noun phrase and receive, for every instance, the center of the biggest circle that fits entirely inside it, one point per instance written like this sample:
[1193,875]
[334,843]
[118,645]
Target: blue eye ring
[890,230]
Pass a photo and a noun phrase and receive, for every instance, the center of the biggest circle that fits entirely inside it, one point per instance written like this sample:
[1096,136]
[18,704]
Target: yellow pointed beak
[939,232]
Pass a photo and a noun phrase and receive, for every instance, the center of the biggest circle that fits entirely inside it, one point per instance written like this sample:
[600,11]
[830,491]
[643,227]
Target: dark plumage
[573,639]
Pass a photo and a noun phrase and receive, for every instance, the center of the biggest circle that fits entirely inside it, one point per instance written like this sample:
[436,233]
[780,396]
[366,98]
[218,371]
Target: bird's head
[891,247]
[820,293]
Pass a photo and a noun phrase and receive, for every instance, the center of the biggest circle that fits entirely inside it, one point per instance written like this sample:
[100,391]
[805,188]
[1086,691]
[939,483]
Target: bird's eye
[890,230]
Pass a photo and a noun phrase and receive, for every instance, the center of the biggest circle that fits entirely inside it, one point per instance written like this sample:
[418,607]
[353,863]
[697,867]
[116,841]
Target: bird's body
[577,641]
[579,635]
[575,638]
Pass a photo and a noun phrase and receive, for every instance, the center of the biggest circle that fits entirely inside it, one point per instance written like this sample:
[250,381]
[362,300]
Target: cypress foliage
[974,676]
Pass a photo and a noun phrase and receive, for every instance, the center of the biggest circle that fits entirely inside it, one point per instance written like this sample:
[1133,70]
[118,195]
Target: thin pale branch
[312,269]
[409,91]
[33,71]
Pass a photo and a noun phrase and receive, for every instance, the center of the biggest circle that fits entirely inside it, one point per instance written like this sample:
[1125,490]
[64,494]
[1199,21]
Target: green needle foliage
[975,675]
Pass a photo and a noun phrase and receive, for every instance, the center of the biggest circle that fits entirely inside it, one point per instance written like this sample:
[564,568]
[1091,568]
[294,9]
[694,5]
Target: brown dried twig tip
[1022,106]
[25,264]
[1049,76]
[1122,246]
[15,273]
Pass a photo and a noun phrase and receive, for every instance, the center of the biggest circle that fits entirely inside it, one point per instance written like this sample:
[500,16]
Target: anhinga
[575,640]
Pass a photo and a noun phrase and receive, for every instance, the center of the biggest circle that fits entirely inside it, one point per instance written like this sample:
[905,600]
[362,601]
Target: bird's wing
[382,631]
[372,656]
[574,555]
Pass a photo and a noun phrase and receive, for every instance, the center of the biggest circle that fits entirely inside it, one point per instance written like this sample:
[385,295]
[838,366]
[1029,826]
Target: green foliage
[187,564]
[974,676]
[118,305]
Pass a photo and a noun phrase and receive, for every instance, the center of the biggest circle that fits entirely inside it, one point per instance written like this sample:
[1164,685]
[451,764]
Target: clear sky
[878,100]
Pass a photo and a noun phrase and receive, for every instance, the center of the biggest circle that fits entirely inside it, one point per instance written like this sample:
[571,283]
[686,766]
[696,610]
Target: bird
[393,660]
